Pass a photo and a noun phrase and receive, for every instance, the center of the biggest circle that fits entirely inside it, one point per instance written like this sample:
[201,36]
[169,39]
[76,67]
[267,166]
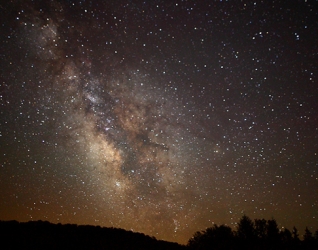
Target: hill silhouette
[46,235]
[259,234]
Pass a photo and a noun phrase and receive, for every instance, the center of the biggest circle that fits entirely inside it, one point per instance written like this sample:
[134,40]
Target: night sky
[161,117]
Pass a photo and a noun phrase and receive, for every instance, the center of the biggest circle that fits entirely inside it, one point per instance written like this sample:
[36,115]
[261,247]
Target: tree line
[257,235]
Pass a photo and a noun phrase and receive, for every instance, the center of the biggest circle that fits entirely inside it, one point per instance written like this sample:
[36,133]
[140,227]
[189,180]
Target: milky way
[158,117]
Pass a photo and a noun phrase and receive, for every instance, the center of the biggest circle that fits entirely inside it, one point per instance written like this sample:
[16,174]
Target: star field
[161,117]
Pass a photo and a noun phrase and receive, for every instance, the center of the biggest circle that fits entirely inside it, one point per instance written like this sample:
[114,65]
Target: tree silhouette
[245,229]
[260,235]
[272,231]
[246,233]
[286,238]
[220,237]
[308,235]
[216,237]
[260,228]
[316,235]
[295,234]
[196,241]
[309,240]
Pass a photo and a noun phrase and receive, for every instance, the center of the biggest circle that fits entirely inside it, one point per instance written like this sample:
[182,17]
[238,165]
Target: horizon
[234,229]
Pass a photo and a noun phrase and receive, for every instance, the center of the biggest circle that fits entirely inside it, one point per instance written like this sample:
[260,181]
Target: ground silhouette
[259,234]
[45,235]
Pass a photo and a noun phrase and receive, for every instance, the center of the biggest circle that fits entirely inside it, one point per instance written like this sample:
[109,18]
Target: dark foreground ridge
[259,234]
[46,235]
